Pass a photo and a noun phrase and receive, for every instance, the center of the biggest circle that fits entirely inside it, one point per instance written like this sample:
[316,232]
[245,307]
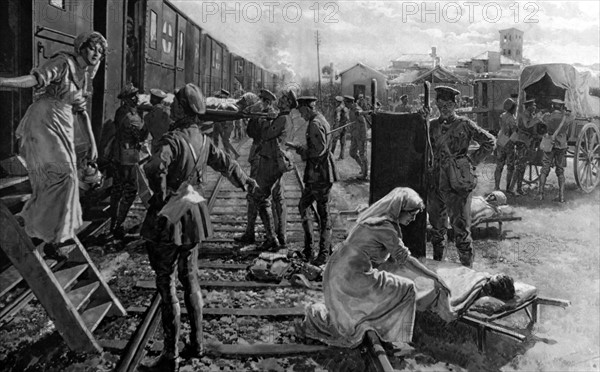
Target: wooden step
[7,182]
[10,277]
[93,316]
[80,295]
[68,276]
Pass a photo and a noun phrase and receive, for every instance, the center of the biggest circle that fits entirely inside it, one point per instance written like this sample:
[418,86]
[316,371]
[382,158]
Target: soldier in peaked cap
[254,131]
[319,176]
[130,134]
[342,118]
[273,163]
[182,156]
[527,121]
[358,137]
[403,106]
[449,193]
[558,124]
[158,120]
[349,98]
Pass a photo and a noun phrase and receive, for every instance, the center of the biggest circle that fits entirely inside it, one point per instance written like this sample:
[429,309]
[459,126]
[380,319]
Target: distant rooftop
[511,28]
[485,56]
[413,58]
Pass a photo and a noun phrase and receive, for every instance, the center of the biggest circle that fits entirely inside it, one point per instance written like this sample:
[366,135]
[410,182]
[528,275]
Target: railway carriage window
[57,3]
[180,45]
[153,24]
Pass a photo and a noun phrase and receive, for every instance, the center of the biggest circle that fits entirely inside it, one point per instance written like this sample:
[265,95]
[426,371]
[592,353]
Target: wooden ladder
[75,296]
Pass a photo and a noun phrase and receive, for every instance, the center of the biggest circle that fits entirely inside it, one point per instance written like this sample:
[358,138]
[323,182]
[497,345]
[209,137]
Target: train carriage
[151,43]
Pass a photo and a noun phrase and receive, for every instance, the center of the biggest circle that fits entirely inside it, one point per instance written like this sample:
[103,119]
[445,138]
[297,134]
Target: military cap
[446,93]
[558,101]
[191,99]
[267,94]
[529,102]
[339,98]
[403,96]
[292,97]
[225,93]
[158,93]
[306,100]
[349,98]
[128,91]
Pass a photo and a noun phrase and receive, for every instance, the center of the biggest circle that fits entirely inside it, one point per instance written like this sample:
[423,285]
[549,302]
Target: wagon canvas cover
[577,84]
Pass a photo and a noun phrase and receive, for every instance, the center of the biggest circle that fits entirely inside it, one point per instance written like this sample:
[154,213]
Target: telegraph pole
[318,40]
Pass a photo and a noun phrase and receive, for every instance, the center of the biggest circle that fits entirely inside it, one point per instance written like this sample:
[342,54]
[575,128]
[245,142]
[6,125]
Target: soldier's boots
[271,243]
[438,252]
[248,237]
[542,184]
[168,360]
[561,190]
[466,258]
[509,176]
[321,258]
[307,254]
[497,177]
[342,146]
[161,364]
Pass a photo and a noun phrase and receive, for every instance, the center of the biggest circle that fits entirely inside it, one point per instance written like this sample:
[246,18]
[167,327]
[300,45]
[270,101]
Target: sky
[280,35]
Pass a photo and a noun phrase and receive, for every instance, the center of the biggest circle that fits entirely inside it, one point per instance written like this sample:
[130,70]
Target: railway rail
[222,266]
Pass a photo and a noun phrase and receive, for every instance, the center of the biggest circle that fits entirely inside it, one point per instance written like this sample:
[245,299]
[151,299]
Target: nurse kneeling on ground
[359,294]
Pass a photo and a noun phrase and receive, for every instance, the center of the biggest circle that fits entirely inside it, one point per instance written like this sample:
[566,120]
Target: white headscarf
[390,206]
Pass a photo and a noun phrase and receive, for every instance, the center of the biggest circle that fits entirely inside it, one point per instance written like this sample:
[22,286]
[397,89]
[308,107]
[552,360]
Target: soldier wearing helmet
[182,156]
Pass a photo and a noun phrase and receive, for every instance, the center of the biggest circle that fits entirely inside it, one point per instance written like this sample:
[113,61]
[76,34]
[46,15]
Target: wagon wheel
[532,174]
[586,163]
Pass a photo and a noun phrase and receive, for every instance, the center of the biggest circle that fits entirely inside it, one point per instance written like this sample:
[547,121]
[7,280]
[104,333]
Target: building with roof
[356,80]
[407,62]
[511,44]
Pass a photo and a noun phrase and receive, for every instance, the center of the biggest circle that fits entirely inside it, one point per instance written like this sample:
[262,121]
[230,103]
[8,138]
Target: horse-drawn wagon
[579,90]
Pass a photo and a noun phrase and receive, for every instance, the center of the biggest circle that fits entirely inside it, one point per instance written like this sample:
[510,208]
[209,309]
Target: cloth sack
[185,197]
[462,179]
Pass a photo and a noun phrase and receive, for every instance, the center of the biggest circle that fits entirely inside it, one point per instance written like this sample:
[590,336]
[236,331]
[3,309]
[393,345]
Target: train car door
[180,78]
[16,28]
[216,68]
[152,69]
[192,55]
[206,62]
[56,24]
[169,47]
[399,159]
[226,70]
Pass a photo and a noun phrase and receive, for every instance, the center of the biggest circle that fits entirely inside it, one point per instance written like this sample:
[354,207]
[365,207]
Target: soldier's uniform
[505,149]
[358,144]
[158,120]
[450,139]
[269,176]
[254,131]
[130,133]
[559,149]
[182,156]
[523,139]
[319,175]
[342,117]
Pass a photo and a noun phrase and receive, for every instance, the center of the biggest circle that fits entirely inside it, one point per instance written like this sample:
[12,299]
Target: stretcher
[500,221]
[469,306]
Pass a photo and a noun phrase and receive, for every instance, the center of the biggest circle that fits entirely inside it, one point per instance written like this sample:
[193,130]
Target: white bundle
[181,202]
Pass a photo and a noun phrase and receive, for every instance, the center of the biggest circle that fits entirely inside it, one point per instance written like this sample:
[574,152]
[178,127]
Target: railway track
[247,325]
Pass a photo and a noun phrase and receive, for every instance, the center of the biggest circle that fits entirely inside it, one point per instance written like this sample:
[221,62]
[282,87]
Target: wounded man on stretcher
[372,283]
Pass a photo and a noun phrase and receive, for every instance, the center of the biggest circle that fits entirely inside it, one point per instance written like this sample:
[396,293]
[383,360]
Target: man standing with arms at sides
[358,132]
[181,156]
[130,132]
[158,120]
[452,178]
[505,148]
[254,131]
[342,117]
[319,176]
[403,106]
[558,123]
